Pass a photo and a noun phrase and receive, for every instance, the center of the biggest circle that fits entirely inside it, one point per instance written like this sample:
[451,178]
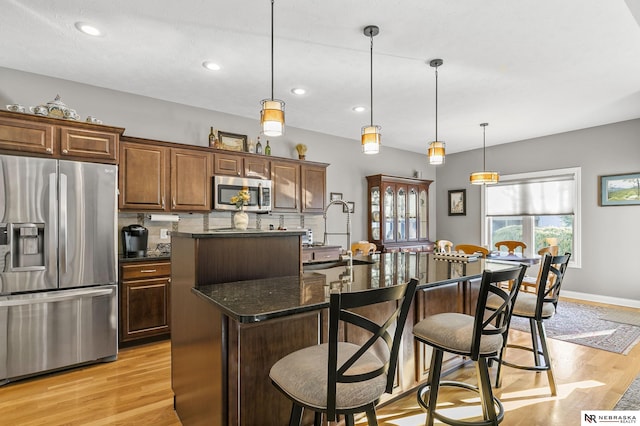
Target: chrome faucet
[348,233]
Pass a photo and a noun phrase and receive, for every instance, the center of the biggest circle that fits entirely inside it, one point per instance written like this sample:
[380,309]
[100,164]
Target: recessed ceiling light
[359,108]
[298,91]
[211,66]
[88,29]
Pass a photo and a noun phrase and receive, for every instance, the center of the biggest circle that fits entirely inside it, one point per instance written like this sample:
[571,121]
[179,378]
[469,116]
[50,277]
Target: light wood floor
[136,390]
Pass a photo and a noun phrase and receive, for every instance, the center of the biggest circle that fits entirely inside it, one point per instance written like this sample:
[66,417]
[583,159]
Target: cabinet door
[374,214]
[401,213]
[227,164]
[313,188]
[144,308]
[412,213]
[190,180]
[88,144]
[22,136]
[285,178]
[389,214]
[143,177]
[256,167]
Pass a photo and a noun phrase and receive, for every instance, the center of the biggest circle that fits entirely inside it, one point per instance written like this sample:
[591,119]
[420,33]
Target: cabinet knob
[48,149]
[65,151]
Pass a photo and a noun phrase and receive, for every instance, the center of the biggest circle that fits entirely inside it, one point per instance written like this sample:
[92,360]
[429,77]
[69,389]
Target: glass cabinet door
[402,214]
[423,213]
[389,216]
[412,214]
[375,212]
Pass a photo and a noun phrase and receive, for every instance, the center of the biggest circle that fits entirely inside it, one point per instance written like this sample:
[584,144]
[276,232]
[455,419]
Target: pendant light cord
[272,1]
[484,147]
[436,103]
[371,80]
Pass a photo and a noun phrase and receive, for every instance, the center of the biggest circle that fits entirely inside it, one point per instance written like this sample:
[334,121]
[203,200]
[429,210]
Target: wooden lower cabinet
[145,294]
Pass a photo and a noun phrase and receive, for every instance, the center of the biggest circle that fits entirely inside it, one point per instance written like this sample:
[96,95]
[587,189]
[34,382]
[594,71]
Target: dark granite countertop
[235,233]
[148,257]
[264,299]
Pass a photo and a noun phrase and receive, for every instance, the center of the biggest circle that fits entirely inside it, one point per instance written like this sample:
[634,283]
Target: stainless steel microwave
[225,187]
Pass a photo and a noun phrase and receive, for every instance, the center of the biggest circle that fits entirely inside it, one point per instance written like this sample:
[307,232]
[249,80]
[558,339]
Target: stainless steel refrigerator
[58,263]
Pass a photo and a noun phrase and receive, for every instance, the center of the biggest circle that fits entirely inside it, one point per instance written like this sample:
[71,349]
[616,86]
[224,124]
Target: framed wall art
[457,202]
[352,207]
[232,141]
[620,190]
[335,196]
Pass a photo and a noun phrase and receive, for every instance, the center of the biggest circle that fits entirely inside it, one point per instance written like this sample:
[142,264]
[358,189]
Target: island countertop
[264,299]
[237,233]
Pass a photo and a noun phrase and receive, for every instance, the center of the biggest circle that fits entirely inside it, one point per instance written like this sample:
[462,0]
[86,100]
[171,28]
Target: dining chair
[472,248]
[530,284]
[344,378]
[478,337]
[365,247]
[511,245]
[444,246]
[537,308]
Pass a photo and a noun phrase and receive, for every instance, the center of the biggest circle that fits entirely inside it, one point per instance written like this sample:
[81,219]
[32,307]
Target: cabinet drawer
[145,270]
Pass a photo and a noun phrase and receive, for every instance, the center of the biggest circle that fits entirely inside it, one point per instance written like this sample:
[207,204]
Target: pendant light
[484,177]
[272,113]
[371,136]
[436,148]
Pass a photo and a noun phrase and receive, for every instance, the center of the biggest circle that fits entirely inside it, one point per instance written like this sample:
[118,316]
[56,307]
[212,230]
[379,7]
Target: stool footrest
[523,367]
[424,389]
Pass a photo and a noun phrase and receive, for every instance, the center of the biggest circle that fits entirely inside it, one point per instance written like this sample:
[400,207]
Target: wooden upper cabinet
[257,167]
[58,138]
[90,144]
[143,177]
[285,177]
[313,187]
[227,164]
[190,180]
[26,136]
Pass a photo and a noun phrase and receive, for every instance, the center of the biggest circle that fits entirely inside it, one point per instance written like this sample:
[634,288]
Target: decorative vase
[240,220]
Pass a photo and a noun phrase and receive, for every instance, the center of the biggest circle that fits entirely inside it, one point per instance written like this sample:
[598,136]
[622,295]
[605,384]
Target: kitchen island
[235,331]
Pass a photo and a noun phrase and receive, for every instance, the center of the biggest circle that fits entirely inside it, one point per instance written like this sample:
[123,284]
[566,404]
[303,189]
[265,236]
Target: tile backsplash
[199,222]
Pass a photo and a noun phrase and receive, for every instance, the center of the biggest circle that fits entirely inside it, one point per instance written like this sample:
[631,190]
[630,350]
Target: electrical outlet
[164,234]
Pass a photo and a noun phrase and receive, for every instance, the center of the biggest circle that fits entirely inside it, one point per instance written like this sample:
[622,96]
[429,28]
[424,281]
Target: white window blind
[552,195]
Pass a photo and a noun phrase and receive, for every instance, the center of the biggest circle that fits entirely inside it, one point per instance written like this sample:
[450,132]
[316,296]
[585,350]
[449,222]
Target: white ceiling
[528,68]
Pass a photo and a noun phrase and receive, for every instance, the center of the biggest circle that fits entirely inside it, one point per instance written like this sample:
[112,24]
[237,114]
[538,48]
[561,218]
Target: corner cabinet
[398,213]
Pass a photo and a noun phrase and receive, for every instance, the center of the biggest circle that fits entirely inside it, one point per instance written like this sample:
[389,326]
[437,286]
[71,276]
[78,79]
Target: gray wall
[166,121]
[610,235]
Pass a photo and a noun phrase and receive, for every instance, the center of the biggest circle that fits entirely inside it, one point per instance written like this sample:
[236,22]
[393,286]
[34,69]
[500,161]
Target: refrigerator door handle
[56,297]
[53,216]
[63,223]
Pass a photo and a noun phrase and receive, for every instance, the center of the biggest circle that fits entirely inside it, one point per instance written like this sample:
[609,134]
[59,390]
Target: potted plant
[241,218]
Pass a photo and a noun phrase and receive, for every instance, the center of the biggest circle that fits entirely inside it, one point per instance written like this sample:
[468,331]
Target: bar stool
[537,308]
[472,248]
[342,377]
[478,337]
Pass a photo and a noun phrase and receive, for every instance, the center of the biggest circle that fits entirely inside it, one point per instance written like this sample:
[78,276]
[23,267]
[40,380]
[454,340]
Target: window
[539,208]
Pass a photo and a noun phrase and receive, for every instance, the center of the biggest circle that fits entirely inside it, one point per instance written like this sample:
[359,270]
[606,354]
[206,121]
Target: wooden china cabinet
[398,213]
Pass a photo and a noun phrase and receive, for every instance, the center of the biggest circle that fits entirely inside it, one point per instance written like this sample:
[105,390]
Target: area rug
[622,316]
[583,324]
[631,398]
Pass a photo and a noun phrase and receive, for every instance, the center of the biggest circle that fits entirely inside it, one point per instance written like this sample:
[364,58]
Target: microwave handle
[260,201]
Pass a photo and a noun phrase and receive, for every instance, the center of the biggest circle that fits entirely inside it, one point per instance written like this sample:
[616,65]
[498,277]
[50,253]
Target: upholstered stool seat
[536,308]
[480,337]
[299,376]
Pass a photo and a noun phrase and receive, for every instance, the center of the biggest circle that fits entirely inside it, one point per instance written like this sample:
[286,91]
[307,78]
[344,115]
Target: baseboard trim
[631,303]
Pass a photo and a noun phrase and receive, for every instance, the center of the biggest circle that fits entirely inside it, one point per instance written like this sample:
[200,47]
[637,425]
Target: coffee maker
[134,241]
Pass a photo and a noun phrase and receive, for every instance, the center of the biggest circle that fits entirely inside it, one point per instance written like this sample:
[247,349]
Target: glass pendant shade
[371,138]
[483,178]
[436,152]
[272,117]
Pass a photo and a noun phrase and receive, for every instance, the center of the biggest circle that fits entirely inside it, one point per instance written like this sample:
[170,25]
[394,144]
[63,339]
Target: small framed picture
[620,190]
[335,196]
[457,202]
[352,207]
[232,141]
